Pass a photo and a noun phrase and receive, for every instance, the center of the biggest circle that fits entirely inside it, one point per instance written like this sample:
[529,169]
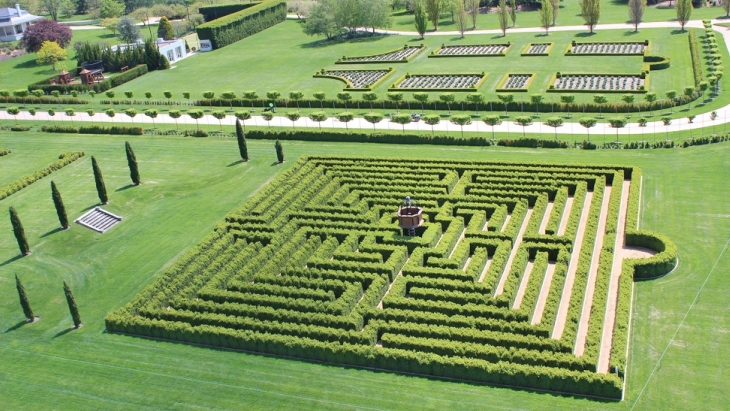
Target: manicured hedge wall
[63,160]
[218,11]
[359,137]
[228,30]
[105,85]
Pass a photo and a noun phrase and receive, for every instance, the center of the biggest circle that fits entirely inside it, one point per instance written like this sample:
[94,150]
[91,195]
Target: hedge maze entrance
[517,277]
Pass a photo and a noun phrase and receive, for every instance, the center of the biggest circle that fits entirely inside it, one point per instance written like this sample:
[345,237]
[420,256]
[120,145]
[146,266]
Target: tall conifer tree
[99,180]
[19,232]
[27,311]
[132,162]
[242,148]
[60,208]
[73,309]
[279,151]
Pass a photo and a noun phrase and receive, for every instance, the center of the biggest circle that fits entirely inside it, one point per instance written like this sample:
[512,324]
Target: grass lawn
[190,184]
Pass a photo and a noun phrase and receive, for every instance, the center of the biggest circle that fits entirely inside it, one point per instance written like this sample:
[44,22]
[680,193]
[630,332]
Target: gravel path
[572,267]
[544,291]
[580,343]
[513,253]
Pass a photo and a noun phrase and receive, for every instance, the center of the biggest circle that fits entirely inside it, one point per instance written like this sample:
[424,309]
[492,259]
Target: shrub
[233,27]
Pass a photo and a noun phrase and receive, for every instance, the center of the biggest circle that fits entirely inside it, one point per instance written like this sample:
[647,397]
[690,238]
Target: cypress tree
[60,208]
[72,305]
[242,148]
[27,311]
[99,179]
[19,232]
[279,151]
[132,161]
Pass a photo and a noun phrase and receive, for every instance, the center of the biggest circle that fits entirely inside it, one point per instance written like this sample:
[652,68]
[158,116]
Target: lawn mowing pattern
[314,267]
[63,160]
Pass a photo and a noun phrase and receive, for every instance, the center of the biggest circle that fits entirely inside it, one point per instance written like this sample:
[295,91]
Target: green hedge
[63,160]
[360,137]
[229,29]
[105,85]
[113,130]
[4,152]
[694,52]
[218,11]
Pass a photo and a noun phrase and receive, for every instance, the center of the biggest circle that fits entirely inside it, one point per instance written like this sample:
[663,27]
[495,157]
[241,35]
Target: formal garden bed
[479,50]
[623,83]
[537,49]
[609,49]
[515,82]
[453,82]
[403,55]
[358,80]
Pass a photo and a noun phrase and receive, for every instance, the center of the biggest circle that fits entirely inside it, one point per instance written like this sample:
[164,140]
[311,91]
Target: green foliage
[19,232]
[60,208]
[99,182]
[279,152]
[132,163]
[231,28]
[71,301]
[24,303]
[241,139]
[165,30]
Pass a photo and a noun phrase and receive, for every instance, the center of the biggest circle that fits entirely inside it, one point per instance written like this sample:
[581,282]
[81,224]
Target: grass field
[190,184]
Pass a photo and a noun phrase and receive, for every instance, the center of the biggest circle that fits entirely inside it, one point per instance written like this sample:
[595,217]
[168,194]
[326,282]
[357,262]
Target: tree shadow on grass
[63,332]
[127,187]
[54,231]
[343,39]
[6,262]
[275,163]
[585,34]
[235,163]
[16,326]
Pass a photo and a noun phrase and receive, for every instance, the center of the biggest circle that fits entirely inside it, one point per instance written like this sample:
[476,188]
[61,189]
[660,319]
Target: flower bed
[537,49]
[515,82]
[453,82]
[357,80]
[611,49]
[479,50]
[601,82]
[403,55]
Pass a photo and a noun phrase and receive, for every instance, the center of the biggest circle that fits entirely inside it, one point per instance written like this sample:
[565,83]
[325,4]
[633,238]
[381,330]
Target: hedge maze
[510,281]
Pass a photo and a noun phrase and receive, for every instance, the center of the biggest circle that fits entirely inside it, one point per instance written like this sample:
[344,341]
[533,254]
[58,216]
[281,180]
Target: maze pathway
[316,267]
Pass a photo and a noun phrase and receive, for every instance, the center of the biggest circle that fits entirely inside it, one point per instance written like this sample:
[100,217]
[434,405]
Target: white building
[173,50]
[14,22]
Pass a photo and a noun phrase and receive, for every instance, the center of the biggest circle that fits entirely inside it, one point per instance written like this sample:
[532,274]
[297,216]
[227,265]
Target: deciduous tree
[591,12]
[684,12]
[433,9]
[503,16]
[45,30]
[421,18]
[636,12]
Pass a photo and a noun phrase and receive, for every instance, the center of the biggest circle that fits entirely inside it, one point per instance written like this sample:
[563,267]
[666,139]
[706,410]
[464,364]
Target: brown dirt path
[513,253]
[572,267]
[566,215]
[542,298]
[580,343]
[523,285]
[546,218]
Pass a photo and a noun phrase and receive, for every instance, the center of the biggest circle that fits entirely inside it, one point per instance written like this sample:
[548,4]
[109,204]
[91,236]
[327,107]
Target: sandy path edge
[610,314]
[523,285]
[546,218]
[566,215]
[544,291]
[513,253]
[582,334]
[572,268]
